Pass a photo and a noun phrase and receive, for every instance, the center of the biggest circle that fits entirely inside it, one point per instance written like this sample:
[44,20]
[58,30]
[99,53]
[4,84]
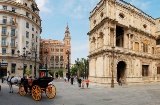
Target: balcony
[14,35]
[4,44]
[13,45]
[4,34]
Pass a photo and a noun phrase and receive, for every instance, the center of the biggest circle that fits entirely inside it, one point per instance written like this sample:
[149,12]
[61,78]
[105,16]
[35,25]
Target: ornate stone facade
[124,41]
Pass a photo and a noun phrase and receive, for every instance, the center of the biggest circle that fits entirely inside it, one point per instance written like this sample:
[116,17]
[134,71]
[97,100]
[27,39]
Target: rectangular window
[152,50]
[57,50]
[136,46]
[33,18]
[36,38]
[3,41]
[27,34]
[4,7]
[27,44]
[27,14]
[30,67]
[32,35]
[4,30]
[12,32]
[13,10]
[4,20]
[145,70]
[32,28]
[13,68]
[3,51]
[145,47]
[158,70]
[12,42]
[27,25]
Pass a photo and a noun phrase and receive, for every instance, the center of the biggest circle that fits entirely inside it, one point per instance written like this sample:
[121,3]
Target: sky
[56,14]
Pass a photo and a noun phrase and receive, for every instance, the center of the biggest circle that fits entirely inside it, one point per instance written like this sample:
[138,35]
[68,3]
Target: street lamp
[68,52]
[46,53]
[35,51]
[0,67]
[23,56]
[112,66]
[77,63]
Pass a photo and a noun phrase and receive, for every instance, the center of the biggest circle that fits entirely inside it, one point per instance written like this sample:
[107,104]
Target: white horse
[12,81]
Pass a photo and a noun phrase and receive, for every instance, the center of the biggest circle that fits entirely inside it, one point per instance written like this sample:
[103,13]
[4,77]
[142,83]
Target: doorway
[121,67]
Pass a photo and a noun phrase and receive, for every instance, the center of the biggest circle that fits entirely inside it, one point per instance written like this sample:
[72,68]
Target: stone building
[57,59]
[124,42]
[20,27]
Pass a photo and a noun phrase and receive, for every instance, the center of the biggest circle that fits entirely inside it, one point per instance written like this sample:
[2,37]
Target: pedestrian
[64,79]
[72,79]
[87,82]
[120,81]
[79,82]
[82,84]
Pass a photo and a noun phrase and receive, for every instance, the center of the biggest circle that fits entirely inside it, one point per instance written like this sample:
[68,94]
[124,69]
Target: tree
[60,72]
[51,73]
[28,72]
[74,70]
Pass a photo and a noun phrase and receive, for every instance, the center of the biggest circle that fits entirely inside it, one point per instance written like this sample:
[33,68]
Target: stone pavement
[97,94]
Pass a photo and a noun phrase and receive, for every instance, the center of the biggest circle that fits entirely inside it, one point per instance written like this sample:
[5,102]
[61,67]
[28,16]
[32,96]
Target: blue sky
[55,15]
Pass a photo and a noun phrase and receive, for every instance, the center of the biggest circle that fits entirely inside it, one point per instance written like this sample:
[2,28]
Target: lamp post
[0,67]
[112,66]
[46,53]
[35,51]
[23,56]
[68,52]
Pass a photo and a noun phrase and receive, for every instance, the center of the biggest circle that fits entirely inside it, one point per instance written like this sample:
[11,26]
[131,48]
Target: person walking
[120,81]
[79,82]
[72,79]
[87,82]
[82,84]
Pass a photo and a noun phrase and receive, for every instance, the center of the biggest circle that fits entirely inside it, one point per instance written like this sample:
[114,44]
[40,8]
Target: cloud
[42,5]
[78,9]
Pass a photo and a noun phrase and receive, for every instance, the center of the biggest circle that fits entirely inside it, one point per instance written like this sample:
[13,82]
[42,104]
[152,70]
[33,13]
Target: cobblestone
[97,94]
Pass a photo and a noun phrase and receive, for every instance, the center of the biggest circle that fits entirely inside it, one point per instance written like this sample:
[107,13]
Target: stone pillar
[129,39]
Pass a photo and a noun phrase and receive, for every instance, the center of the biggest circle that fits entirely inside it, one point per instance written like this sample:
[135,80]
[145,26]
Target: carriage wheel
[36,93]
[21,91]
[51,91]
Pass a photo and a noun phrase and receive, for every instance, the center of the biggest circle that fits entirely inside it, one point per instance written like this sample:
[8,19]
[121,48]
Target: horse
[12,81]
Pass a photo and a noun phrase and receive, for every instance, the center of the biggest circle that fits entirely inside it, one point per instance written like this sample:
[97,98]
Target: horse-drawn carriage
[37,86]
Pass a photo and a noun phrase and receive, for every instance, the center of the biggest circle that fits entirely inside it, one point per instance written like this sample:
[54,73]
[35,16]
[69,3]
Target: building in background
[124,43]
[57,59]
[20,28]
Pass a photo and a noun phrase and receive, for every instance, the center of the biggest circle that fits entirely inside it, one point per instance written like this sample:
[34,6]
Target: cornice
[141,31]
[19,5]
[122,52]
[100,24]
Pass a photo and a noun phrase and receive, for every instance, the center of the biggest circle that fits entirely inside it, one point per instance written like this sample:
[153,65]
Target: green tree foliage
[28,71]
[74,70]
[51,73]
[60,72]
[82,66]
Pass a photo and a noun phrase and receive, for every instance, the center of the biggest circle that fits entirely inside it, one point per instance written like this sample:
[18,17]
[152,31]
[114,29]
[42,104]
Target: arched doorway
[121,67]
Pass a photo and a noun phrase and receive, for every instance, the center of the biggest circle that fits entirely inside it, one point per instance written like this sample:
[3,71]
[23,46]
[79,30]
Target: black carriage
[37,86]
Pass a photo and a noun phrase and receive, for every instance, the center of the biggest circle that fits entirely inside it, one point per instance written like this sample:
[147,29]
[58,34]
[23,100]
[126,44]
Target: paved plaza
[97,94]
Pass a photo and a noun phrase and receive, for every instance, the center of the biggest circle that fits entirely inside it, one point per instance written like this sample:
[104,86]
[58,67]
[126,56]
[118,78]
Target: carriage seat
[30,81]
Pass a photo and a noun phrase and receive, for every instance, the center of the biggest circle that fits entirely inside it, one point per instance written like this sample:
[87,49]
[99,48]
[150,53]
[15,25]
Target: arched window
[121,15]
